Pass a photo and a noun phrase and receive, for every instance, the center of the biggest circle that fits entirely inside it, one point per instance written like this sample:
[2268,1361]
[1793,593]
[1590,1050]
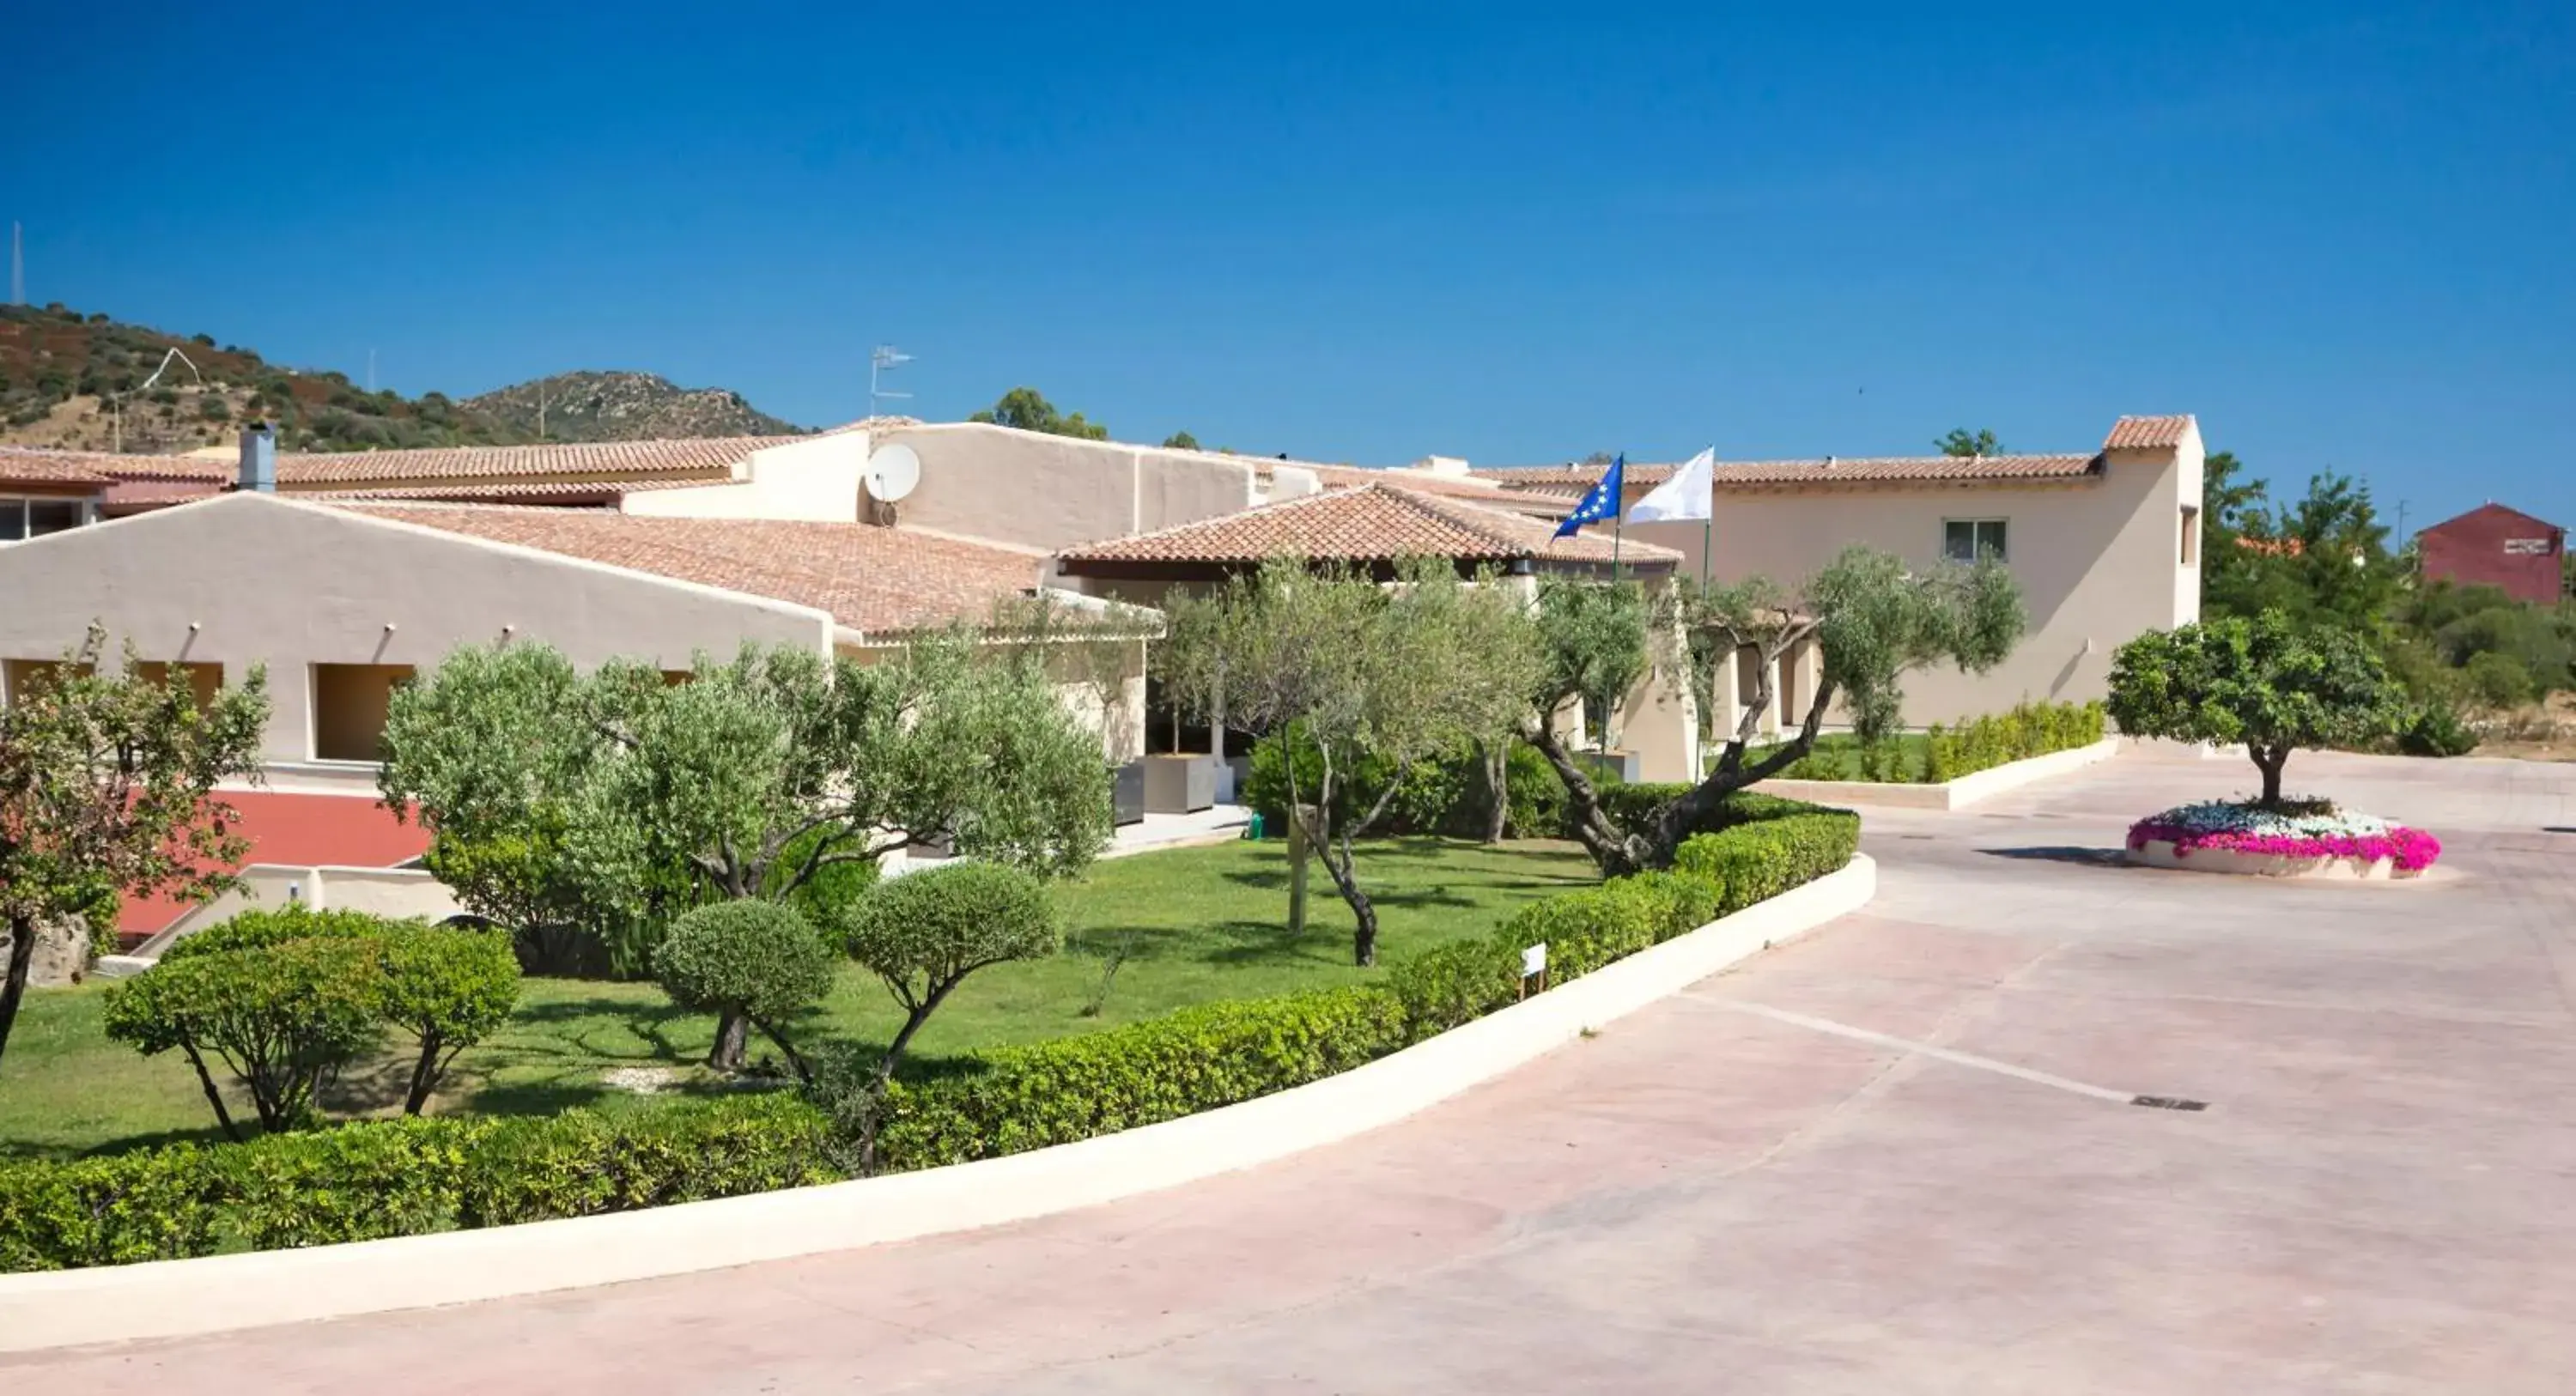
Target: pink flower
[2409,850]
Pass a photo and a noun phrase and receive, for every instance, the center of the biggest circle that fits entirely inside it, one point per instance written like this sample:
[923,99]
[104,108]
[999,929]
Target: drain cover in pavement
[2169,1102]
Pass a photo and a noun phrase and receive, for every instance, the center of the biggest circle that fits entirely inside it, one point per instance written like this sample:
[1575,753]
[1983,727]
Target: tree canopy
[1181,441]
[1872,620]
[755,778]
[1028,410]
[107,788]
[1963,442]
[2269,682]
[1342,668]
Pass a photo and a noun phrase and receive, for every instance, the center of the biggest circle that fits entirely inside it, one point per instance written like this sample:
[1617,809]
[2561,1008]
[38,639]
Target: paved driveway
[1761,1186]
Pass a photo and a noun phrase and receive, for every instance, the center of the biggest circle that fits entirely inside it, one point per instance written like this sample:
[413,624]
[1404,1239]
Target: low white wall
[1956,794]
[2159,853]
[173,1297]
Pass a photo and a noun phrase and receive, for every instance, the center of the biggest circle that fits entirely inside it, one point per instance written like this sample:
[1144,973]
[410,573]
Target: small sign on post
[1534,966]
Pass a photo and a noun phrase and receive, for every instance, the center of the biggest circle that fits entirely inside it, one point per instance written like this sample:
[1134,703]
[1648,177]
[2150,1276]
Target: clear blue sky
[2342,234]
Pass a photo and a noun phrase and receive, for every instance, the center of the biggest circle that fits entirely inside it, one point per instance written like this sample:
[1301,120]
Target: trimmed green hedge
[1021,1098]
[401,1177]
[2030,729]
[1759,860]
[383,1178]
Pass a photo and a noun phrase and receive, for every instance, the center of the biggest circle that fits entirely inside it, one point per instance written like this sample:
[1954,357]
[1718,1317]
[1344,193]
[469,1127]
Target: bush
[446,987]
[1755,861]
[2436,729]
[1020,1098]
[1445,796]
[2499,681]
[282,1018]
[753,961]
[380,1178]
[449,988]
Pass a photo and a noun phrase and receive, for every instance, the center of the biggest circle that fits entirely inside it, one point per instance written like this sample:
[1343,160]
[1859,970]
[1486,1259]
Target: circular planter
[2160,853]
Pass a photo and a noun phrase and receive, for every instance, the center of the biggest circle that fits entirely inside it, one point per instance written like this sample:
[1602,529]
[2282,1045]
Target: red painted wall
[349,831]
[2472,550]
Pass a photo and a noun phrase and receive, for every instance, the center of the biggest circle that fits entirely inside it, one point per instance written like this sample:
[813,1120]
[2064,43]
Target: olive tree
[2269,683]
[922,935]
[759,778]
[1339,668]
[1871,619]
[756,962]
[107,788]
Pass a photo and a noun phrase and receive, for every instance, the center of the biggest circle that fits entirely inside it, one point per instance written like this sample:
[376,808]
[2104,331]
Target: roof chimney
[258,459]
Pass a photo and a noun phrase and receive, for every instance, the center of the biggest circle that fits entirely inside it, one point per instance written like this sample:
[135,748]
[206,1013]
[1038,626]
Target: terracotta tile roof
[2147,433]
[31,465]
[874,580]
[1420,482]
[1833,470]
[615,459]
[595,492]
[1364,523]
[134,495]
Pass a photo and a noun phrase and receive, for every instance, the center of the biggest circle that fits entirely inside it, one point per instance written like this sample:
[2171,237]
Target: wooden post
[1297,856]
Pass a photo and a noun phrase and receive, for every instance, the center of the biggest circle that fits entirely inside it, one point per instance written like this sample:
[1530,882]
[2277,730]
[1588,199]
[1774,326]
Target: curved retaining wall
[170,1298]
[2159,853]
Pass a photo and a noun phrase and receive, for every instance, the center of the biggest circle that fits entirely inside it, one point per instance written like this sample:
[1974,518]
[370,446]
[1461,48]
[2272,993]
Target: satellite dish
[891,473]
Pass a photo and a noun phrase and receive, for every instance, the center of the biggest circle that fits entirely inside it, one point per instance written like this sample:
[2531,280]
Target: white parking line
[1927,1049]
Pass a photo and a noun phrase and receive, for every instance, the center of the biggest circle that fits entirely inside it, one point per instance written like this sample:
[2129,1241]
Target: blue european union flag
[1602,503]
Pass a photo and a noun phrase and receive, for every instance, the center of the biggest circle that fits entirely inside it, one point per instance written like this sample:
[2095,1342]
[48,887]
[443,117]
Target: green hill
[79,382]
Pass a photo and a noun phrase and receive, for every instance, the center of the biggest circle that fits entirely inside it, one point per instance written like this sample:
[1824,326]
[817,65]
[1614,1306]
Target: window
[1967,540]
[2190,535]
[349,704]
[203,680]
[34,518]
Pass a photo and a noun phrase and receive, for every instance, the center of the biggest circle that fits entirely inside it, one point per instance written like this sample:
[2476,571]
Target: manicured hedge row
[1020,1098]
[383,1178]
[2030,729]
[402,1177]
[1757,861]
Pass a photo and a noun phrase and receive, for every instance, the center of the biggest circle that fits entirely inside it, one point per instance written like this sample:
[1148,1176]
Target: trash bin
[1252,829]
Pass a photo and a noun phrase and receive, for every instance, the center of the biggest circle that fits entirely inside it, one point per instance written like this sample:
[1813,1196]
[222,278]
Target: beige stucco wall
[2099,563]
[1053,492]
[1102,683]
[816,479]
[249,579]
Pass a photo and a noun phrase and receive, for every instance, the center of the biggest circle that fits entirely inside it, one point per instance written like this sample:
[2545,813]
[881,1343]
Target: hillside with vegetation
[623,406]
[87,382]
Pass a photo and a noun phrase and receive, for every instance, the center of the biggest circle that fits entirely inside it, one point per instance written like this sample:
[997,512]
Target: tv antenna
[116,401]
[884,359]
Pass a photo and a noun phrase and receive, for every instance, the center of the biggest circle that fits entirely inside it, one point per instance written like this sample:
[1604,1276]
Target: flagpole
[1705,525]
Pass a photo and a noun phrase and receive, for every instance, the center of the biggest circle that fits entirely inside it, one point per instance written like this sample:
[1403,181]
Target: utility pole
[541,410]
[17,265]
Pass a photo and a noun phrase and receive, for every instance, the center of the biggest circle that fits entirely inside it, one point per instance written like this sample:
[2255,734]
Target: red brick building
[2492,545]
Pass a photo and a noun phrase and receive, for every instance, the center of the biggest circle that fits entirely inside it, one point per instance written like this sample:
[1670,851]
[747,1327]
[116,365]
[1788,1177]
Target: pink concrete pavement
[1707,1199]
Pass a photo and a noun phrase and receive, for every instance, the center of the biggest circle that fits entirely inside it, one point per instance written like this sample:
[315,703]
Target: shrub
[1456,982]
[1015,1099]
[382,1178]
[1442,796]
[1758,860]
[281,1018]
[2498,681]
[446,987]
[584,1164]
[923,933]
[751,962]
[2436,729]
[449,988]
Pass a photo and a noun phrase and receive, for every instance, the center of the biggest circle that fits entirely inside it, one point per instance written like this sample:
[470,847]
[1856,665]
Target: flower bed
[2310,830]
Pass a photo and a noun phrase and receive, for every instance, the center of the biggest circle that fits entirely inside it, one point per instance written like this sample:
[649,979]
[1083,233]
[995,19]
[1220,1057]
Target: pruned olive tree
[107,785]
[2269,682]
[1872,620]
[759,776]
[1339,667]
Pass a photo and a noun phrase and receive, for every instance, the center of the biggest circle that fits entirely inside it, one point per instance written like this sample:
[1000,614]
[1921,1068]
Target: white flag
[1685,497]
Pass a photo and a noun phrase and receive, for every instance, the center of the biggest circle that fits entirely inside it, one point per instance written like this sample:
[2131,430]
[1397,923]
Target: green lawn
[1182,927]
